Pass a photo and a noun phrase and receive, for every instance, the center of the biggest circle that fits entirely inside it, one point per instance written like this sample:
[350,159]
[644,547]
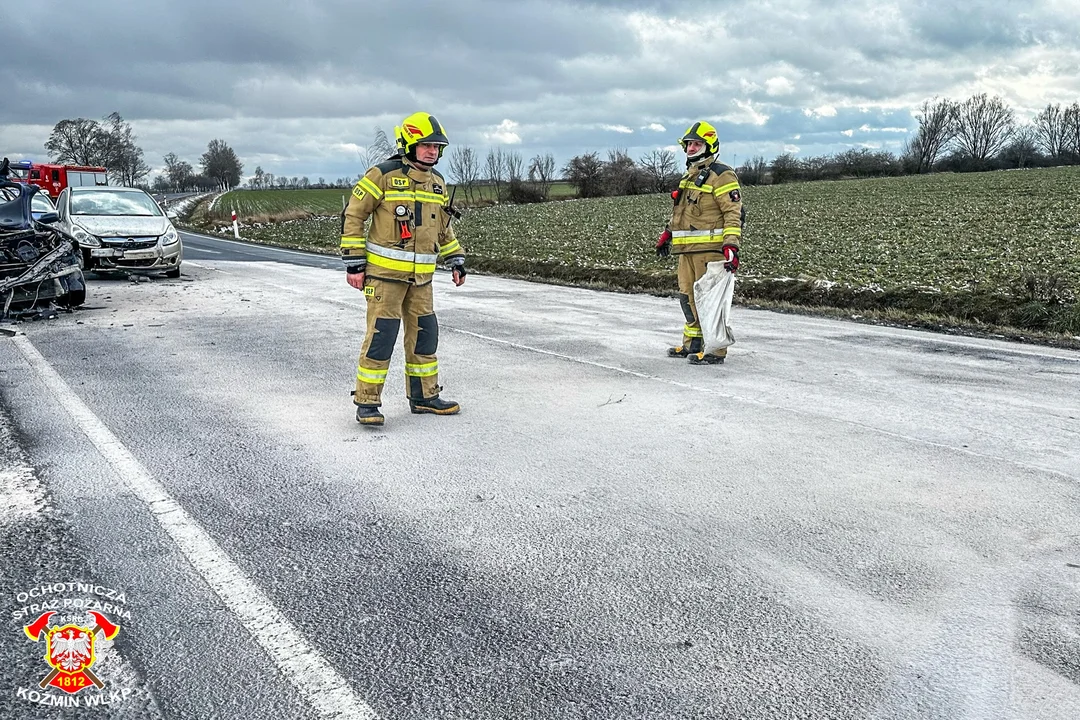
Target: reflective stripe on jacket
[409,227]
[709,212]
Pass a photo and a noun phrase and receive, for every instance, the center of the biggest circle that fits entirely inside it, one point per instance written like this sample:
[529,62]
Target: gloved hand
[459,274]
[663,244]
[731,255]
[354,275]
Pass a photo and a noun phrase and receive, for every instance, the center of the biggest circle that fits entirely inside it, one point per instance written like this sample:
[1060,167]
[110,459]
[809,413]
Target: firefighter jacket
[708,212]
[410,229]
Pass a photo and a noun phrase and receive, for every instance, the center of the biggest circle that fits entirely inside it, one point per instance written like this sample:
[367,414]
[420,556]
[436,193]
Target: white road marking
[326,691]
[204,250]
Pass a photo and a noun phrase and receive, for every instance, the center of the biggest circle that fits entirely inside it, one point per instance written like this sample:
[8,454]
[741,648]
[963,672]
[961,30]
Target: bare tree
[1051,130]
[495,166]
[542,173]
[585,172]
[221,163]
[937,128]
[1071,145]
[381,147]
[1023,147]
[983,126]
[660,168]
[75,141]
[465,169]
[785,168]
[514,166]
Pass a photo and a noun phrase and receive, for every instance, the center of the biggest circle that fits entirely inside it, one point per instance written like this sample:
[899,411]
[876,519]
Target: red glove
[731,255]
[663,244]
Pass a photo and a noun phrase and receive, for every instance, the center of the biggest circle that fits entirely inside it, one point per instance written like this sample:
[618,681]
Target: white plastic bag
[712,298]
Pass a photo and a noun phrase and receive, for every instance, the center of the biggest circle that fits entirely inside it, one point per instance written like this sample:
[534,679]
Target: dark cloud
[291,86]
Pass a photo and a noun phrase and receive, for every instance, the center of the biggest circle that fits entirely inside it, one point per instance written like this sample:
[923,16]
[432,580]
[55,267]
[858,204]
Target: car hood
[121,225]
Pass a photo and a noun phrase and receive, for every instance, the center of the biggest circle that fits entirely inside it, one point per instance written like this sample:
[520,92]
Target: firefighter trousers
[389,305]
[692,267]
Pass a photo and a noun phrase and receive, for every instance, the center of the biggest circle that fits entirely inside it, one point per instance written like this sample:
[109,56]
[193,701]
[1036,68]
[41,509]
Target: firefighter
[394,263]
[706,226]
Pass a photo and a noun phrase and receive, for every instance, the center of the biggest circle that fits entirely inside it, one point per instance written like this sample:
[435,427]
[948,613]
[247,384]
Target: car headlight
[170,237]
[84,238]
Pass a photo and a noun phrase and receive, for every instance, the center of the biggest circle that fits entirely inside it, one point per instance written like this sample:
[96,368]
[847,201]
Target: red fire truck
[54,178]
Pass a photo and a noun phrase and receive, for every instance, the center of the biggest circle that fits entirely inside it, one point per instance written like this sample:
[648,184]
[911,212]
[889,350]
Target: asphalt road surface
[843,521]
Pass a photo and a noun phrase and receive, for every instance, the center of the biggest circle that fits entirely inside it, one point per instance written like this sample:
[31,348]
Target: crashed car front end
[39,266]
[131,253]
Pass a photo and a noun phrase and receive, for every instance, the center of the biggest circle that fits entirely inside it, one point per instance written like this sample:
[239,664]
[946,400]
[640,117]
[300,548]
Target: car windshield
[40,203]
[113,203]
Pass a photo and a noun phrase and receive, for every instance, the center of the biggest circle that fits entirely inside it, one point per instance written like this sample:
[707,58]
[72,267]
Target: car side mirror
[49,218]
[172,215]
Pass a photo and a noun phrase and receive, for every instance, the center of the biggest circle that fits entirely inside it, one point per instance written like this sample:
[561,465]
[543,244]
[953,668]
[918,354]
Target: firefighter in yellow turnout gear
[394,263]
[706,226]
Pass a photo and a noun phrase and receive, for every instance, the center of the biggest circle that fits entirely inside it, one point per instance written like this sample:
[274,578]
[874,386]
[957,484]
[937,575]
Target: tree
[785,168]
[542,173]
[1052,130]
[937,128]
[754,172]
[661,170]
[983,126]
[465,169]
[1023,147]
[585,172]
[221,163]
[77,142]
[622,176]
[178,172]
[495,165]
[514,165]
[380,149]
[119,151]
[1072,131]
[257,178]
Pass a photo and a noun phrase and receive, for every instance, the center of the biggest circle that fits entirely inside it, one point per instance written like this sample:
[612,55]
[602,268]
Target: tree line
[111,144]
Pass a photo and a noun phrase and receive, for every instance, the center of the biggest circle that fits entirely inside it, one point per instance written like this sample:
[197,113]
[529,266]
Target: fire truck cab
[54,178]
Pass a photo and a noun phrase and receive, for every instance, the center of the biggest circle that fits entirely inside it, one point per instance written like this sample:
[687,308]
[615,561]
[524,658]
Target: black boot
[703,359]
[369,415]
[678,352]
[434,406]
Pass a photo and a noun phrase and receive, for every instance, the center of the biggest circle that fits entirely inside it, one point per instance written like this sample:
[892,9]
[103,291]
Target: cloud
[617,128]
[505,133]
[779,86]
[825,111]
[848,133]
[297,86]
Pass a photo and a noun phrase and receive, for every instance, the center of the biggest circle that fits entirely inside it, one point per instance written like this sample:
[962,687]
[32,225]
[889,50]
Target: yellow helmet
[704,132]
[419,128]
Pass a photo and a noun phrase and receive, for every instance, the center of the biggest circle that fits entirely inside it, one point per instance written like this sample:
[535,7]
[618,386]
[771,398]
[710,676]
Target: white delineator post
[235,227]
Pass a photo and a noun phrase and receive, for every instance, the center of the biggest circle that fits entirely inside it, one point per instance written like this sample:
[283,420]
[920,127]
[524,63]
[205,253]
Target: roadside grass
[994,250]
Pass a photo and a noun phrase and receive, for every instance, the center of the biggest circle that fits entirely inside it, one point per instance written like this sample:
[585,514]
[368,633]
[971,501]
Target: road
[843,521]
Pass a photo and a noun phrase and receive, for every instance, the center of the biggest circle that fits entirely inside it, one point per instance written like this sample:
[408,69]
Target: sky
[298,88]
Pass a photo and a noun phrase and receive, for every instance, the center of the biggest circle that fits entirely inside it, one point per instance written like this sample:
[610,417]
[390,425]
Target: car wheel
[173,273]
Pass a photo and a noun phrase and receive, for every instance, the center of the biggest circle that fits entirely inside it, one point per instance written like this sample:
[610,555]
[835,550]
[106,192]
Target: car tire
[173,273]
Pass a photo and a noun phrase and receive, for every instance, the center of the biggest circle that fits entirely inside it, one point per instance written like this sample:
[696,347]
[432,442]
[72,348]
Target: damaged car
[120,229]
[39,263]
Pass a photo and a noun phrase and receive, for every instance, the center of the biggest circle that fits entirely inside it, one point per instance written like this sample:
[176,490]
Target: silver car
[120,229]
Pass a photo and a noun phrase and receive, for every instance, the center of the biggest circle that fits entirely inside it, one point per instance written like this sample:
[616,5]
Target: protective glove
[663,244]
[458,271]
[731,255]
[354,275]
